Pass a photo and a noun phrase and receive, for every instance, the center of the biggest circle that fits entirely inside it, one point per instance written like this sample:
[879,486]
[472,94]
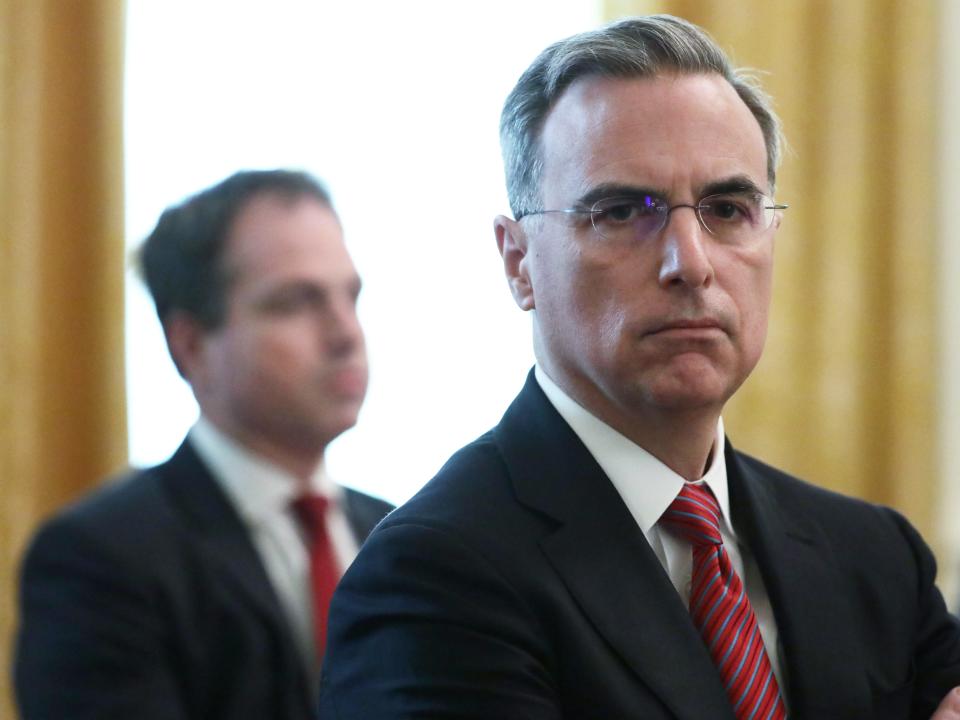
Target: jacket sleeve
[424,626]
[90,643]
[936,661]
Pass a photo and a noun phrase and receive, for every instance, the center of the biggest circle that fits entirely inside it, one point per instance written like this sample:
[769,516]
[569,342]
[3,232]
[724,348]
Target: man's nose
[342,326]
[684,257]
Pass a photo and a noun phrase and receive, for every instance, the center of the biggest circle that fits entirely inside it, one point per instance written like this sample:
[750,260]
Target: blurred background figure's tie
[324,572]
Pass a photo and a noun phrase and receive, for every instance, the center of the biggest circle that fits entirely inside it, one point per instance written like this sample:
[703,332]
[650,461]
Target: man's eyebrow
[735,184]
[605,191]
[291,287]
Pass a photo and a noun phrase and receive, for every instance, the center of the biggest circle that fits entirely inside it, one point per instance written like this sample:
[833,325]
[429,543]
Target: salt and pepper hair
[640,47]
[182,260]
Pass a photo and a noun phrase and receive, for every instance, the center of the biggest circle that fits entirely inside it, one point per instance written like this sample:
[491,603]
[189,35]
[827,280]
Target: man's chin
[688,391]
[336,424]
[682,402]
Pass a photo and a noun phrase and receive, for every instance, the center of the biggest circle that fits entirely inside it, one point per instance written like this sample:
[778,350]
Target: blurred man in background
[199,588]
[604,552]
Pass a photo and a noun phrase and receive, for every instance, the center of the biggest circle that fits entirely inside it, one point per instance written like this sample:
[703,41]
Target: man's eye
[725,210]
[292,301]
[620,211]
[281,304]
[730,208]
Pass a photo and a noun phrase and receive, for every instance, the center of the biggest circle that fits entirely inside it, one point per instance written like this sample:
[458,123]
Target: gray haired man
[604,552]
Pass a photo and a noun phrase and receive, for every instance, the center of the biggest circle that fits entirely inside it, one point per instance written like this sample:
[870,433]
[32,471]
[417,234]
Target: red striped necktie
[311,510]
[721,610]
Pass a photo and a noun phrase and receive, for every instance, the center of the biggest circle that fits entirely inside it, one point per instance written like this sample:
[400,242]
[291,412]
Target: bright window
[395,106]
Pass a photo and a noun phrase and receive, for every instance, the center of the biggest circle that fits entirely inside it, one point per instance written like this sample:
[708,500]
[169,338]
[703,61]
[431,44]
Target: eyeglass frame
[633,196]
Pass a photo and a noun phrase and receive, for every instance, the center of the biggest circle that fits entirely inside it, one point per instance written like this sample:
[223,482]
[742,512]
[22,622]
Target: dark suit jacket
[148,600]
[516,584]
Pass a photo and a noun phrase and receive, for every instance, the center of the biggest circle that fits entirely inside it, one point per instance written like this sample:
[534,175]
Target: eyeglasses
[733,218]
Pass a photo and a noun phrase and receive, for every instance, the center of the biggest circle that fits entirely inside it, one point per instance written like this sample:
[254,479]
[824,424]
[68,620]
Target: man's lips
[693,328]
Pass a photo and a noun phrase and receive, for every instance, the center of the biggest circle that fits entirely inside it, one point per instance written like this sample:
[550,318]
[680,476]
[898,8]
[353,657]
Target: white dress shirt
[261,493]
[647,488]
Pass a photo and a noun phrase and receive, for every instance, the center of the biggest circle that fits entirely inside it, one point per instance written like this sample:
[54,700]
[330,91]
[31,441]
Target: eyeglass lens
[732,217]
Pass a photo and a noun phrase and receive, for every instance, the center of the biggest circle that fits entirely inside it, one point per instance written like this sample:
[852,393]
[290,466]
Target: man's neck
[682,439]
[301,464]
[683,445]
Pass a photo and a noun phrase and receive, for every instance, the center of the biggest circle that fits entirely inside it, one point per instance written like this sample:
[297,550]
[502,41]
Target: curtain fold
[62,409]
[845,395]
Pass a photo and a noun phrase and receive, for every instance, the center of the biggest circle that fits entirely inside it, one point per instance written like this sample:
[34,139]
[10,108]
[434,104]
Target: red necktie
[721,611]
[324,570]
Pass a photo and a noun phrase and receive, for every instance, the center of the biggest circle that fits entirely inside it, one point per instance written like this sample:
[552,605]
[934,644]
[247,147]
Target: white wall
[395,105]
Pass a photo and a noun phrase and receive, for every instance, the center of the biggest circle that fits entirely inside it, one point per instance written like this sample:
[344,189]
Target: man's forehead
[607,129]
[597,96]
[268,220]
[275,234]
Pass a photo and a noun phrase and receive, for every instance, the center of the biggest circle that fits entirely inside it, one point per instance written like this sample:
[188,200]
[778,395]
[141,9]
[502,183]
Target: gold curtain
[62,417]
[845,394]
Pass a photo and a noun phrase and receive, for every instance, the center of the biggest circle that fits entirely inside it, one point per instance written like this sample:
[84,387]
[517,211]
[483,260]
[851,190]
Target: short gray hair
[634,47]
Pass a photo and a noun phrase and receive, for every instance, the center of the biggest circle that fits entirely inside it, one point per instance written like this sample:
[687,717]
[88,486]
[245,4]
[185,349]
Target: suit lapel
[217,528]
[822,661]
[220,534]
[605,561]
[363,512]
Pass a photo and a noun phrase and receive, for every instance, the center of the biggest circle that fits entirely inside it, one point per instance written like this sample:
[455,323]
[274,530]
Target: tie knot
[695,514]
[311,511]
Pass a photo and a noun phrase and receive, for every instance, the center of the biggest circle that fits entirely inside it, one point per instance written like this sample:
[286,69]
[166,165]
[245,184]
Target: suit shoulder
[472,503]
[838,514]
[129,495]
[128,512]
[474,463]
[362,502]
[784,482]
[472,480]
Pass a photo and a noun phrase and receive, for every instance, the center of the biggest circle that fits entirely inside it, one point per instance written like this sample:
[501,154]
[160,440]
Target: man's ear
[512,244]
[185,340]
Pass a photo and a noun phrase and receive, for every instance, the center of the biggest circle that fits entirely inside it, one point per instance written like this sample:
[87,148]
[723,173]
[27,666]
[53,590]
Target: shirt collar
[257,487]
[646,485]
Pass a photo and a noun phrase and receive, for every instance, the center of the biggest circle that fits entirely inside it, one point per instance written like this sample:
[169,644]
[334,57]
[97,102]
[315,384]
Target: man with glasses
[604,552]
